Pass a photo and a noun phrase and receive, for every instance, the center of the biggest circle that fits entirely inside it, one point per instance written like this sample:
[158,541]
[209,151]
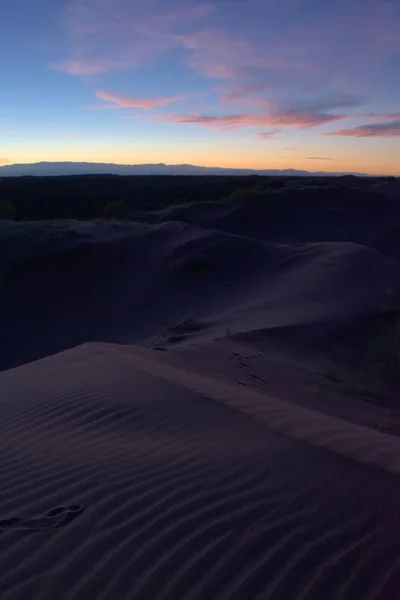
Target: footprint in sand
[54,519]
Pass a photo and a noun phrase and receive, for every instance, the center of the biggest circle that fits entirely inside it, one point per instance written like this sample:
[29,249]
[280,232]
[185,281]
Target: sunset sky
[303,84]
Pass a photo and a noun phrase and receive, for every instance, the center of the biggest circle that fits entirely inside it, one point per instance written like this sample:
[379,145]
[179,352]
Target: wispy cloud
[268,66]
[268,135]
[384,129]
[305,119]
[221,39]
[216,54]
[119,102]
[218,122]
[94,17]
[318,158]
[301,114]
[88,67]
[106,36]
[314,112]
[243,121]
[240,92]
[348,44]
[382,117]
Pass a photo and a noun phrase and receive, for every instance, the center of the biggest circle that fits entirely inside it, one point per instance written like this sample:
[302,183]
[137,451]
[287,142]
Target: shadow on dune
[313,214]
[67,283]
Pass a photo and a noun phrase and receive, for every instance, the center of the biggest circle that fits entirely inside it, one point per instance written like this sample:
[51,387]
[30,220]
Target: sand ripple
[123,477]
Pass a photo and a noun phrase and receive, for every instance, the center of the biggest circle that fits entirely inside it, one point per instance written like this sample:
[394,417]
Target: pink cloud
[215,54]
[388,116]
[107,35]
[305,120]
[259,69]
[134,35]
[384,129]
[243,121]
[93,17]
[347,45]
[118,102]
[303,114]
[268,135]
[219,123]
[131,33]
[243,91]
[4,161]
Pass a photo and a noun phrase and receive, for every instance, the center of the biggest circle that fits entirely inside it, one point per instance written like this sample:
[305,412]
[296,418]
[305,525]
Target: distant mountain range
[48,169]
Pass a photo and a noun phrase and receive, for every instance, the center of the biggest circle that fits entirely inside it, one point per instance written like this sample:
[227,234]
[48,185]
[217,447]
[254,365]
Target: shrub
[381,360]
[117,210]
[383,348]
[7,210]
[243,195]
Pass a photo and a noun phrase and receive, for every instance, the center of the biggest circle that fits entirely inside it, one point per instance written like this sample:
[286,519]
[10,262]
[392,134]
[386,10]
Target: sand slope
[127,283]
[140,481]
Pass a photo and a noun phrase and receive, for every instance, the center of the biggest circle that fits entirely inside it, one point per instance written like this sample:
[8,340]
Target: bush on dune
[382,352]
[243,195]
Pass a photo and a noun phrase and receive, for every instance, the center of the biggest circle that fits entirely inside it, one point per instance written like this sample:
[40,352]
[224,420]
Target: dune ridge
[324,431]
[153,483]
[126,283]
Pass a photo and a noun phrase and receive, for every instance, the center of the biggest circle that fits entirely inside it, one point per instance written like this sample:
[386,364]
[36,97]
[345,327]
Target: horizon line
[163,164]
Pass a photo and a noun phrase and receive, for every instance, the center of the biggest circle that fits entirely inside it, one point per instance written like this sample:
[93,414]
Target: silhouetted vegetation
[381,352]
[243,195]
[140,197]
[382,355]
[87,196]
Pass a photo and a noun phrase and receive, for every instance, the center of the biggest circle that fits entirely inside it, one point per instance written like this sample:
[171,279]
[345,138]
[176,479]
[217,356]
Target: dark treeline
[98,196]
[86,197]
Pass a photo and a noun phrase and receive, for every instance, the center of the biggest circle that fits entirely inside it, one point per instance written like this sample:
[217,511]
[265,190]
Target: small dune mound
[313,213]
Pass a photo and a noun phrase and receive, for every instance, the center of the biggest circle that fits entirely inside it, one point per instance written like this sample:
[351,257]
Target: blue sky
[239,83]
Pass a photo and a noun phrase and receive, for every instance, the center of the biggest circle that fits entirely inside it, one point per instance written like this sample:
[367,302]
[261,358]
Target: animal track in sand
[54,518]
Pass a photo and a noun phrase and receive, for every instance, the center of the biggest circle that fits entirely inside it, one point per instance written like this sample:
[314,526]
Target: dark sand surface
[123,479]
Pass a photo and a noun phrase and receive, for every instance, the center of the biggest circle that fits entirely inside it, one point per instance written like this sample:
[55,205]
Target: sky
[263,84]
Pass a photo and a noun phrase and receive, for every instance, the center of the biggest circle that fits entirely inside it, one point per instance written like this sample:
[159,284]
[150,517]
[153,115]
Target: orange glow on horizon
[229,159]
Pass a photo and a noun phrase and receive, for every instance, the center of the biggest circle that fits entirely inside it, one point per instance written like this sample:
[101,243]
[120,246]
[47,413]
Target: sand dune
[166,428]
[127,283]
[143,482]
